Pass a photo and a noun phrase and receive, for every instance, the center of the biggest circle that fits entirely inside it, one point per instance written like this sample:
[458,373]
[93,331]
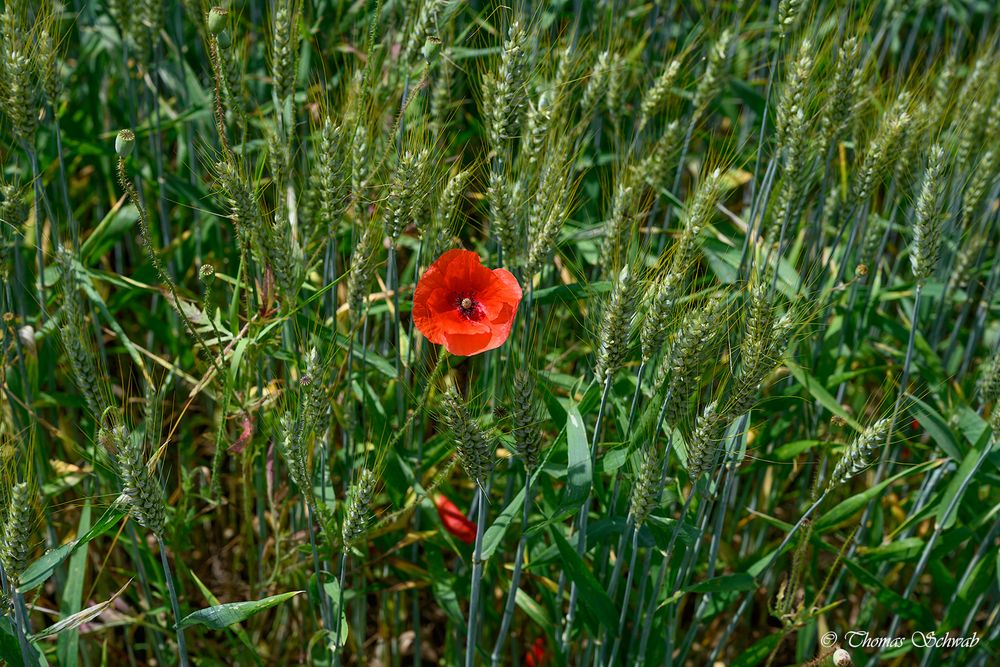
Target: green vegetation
[722,391]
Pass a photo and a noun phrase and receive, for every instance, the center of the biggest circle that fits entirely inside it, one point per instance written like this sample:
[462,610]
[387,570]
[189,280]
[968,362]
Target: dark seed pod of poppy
[224,40]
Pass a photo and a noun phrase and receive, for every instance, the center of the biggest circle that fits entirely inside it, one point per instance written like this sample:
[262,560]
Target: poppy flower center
[469,307]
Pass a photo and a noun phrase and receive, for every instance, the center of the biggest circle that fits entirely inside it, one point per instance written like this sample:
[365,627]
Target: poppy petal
[454,521]
[503,291]
[468,344]
[457,275]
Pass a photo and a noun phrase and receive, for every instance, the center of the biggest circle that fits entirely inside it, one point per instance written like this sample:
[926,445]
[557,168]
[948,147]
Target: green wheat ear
[527,412]
[701,454]
[19,89]
[616,326]
[926,246]
[476,449]
[860,453]
[15,544]
[141,491]
[76,339]
[678,374]
[358,507]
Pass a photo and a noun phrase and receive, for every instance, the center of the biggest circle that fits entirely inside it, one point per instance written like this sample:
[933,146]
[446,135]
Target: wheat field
[443,332]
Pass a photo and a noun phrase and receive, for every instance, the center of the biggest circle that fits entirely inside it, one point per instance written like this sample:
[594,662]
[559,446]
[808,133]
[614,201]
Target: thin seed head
[506,87]
[240,199]
[527,436]
[360,275]
[646,487]
[596,82]
[358,507]
[788,14]
[406,193]
[503,221]
[700,446]
[881,152]
[927,227]
[17,529]
[654,98]
[844,91]
[76,339]
[618,226]
[655,169]
[982,179]
[616,326]
[989,381]
[711,81]
[694,343]
[284,48]
[142,492]
[859,454]
[295,454]
[475,449]
[792,101]
[446,213]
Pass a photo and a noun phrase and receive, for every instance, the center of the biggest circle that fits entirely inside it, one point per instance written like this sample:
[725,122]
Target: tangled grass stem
[147,242]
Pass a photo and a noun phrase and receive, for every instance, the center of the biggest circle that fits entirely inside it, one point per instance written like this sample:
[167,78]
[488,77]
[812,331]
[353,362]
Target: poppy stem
[515,581]
[477,580]
[581,540]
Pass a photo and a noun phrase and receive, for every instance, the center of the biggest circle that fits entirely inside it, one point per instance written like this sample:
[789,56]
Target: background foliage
[746,402]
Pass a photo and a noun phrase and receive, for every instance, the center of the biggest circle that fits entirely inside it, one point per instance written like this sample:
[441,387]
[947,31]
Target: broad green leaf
[579,470]
[332,590]
[937,427]
[366,356]
[593,598]
[42,569]
[236,629]
[68,647]
[758,652]
[970,423]
[946,513]
[224,615]
[494,534]
[895,551]
[443,586]
[908,609]
[570,293]
[109,230]
[532,609]
[10,649]
[790,450]
[856,502]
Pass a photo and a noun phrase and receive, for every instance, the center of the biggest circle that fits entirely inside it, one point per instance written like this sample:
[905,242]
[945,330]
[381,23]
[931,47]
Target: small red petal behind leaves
[454,521]
[535,657]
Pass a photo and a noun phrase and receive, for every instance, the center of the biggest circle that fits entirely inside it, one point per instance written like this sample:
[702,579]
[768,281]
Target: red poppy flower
[535,657]
[461,304]
[454,521]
